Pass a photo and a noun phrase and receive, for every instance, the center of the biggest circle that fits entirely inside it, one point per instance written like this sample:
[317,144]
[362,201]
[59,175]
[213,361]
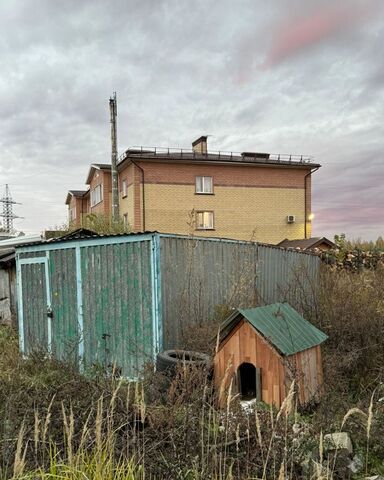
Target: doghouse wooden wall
[309,373]
[245,345]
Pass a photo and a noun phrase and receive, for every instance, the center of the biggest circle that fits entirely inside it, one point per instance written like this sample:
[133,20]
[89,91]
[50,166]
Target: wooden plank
[319,366]
[282,382]
[298,376]
[244,344]
[276,395]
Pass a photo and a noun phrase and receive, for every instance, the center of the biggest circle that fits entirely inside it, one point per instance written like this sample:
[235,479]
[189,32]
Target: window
[204,185]
[97,195]
[124,188]
[204,221]
[72,214]
[125,219]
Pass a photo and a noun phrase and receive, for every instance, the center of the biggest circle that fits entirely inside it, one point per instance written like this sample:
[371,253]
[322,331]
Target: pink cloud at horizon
[300,33]
[342,218]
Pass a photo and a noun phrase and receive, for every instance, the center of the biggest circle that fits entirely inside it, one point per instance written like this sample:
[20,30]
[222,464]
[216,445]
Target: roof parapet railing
[141,151]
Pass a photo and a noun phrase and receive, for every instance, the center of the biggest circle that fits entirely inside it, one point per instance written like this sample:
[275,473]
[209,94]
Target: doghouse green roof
[281,325]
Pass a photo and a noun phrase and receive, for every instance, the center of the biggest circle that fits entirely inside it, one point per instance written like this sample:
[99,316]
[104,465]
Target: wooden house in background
[311,244]
[261,350]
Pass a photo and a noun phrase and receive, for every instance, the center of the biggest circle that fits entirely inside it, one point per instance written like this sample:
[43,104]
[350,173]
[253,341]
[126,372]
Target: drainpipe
[143,192]
[305,199]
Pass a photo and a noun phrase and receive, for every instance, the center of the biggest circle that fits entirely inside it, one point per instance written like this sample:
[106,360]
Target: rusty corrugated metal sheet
[4,284]
[5,297]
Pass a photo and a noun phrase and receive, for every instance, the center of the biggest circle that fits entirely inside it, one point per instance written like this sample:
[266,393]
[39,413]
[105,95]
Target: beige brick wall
[249,202]
[239,212]
[126,205]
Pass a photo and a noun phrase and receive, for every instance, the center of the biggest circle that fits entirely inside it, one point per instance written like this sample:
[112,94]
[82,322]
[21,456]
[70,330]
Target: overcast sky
[297,76]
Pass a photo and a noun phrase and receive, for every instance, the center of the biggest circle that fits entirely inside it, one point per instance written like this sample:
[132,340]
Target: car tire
[170,359]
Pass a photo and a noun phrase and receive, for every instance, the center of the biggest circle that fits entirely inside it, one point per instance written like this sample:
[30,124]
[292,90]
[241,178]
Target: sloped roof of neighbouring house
[280,324]
[94,167]
[306,243]
[75,193]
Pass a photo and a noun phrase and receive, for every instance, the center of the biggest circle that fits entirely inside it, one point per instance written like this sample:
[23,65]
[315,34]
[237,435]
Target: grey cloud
[182,69]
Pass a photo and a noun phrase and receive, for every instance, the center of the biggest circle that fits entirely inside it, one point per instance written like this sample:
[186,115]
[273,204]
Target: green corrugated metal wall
[102,294]
[62,275]
[35,302]
[285,275]
[117,305]
[200,274]
[118,299]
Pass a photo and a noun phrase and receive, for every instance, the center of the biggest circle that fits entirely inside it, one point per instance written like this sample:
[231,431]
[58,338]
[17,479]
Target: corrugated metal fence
[5,297]
[201,276]
[119,299]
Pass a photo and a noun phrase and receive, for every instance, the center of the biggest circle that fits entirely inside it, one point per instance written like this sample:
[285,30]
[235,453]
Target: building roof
[85,234]
[77,234]
[75,193]
[280,324]
[20,240]
[173,155]
[94,167]
[78,193]
[7,255]
[7,247]
[102,166]
[307,243]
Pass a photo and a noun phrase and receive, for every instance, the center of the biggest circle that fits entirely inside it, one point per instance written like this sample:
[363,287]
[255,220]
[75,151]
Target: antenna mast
[8,214]
[115,190]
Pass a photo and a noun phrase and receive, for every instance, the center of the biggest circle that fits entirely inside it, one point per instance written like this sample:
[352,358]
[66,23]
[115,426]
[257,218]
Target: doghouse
[261,350]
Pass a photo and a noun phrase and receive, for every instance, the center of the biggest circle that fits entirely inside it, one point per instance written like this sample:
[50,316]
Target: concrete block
[338,441]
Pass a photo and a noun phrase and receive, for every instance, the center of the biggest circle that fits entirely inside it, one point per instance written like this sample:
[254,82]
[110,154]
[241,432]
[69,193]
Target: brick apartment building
[243,196]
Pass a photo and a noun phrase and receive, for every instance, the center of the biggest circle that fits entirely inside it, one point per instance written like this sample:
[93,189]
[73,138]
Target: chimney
[200,145]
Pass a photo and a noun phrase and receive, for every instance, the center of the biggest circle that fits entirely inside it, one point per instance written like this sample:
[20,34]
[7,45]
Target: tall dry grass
[54,423]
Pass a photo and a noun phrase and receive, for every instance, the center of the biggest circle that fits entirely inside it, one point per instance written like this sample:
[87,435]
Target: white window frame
[72,214]
[124,188]
[96,195]
[204,185]
[205,220]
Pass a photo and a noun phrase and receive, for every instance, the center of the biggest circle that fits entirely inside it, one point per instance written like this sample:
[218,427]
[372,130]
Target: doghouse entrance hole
[248,381]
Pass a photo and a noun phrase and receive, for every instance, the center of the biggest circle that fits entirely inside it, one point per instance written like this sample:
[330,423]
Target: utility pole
[8,214]
[115,190]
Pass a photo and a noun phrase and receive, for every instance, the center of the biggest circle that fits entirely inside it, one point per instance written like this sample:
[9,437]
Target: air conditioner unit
[291,218]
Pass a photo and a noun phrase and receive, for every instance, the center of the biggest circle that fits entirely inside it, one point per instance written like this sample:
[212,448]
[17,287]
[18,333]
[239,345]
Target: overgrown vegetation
[55,423]
[355,255]
[344,243]
[97,222]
